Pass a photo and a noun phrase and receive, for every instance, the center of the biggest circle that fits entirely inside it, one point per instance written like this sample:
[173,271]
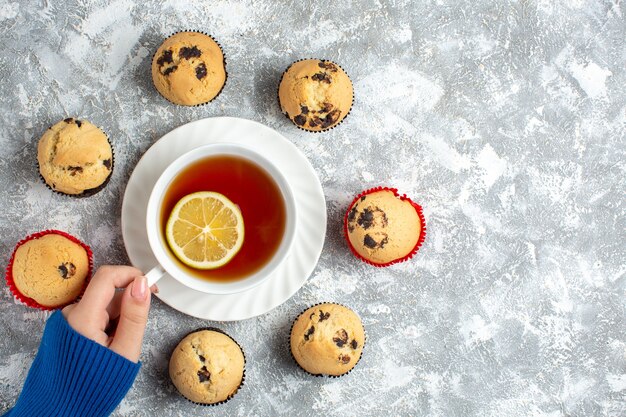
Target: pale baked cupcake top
[327,339]
[188,69]
[74,156]
[207,367]
[316,95]
[50,269]
[383,228]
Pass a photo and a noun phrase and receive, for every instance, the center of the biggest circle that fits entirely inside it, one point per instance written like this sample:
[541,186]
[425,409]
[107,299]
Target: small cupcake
[189,69]
[383,228]
[327,339]
[75,158]
[49,270]
[315,94]
[207,367]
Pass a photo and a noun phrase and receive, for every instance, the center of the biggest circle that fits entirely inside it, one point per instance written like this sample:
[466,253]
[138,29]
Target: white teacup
[158,243]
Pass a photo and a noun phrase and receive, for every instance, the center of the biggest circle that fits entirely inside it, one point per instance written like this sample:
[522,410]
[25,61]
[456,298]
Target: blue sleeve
[73,376]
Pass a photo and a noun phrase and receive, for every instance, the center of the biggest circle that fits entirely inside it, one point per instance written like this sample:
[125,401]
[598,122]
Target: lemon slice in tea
[205,230]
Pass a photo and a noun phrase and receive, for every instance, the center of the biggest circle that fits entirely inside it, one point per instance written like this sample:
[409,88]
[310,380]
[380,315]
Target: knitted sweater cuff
[73,376]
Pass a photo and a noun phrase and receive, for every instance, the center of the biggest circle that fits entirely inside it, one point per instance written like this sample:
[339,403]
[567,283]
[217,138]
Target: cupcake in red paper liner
[49,269]
[383,228]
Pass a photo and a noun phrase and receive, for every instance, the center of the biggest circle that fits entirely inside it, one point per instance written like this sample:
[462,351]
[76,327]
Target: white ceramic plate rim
[289,276]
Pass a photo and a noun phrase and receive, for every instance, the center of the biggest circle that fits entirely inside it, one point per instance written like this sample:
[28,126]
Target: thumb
[133,318]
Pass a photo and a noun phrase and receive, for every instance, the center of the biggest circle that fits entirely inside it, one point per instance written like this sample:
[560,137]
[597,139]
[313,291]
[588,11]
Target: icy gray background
[506,120]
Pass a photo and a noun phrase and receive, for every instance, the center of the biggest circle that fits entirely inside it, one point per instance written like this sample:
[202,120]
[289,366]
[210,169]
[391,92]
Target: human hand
[114,319]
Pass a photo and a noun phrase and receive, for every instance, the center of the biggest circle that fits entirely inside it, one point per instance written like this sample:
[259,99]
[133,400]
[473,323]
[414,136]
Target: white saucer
[310,204]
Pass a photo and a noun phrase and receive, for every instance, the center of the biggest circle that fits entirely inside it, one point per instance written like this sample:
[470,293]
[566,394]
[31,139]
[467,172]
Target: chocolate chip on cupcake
[383,228]
[315,94]
[327,339]
[75,157]
[189,69]
[207,367]
[49,269]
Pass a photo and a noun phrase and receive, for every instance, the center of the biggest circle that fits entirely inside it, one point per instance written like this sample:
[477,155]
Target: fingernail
[154,289]
[138,291]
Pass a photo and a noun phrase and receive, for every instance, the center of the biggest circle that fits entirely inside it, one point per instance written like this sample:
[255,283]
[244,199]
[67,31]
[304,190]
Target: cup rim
[165,179]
